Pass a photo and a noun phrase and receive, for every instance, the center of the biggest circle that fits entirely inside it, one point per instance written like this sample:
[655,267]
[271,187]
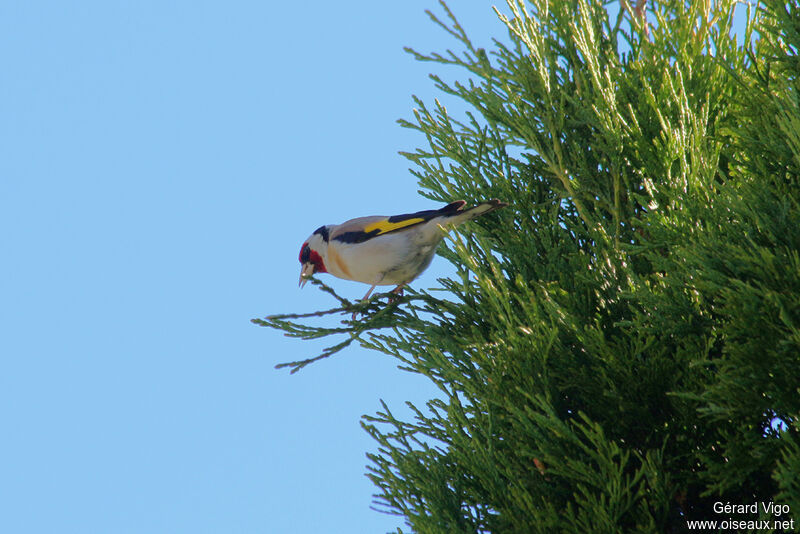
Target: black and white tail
[455,214]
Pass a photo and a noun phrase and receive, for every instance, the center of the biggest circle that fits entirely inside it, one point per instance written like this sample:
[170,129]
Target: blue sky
[161,164]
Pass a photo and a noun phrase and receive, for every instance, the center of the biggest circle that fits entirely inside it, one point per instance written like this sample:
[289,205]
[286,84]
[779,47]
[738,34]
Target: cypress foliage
[620,348]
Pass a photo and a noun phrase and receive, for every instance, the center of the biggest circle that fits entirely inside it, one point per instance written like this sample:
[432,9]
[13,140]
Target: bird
[382,251]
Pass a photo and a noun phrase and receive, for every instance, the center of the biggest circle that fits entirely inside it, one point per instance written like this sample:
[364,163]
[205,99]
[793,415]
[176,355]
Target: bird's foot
[363,300]
[394,296]
[396,293]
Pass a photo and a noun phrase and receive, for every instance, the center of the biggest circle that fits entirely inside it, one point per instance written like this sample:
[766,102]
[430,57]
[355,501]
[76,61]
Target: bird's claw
[396,293]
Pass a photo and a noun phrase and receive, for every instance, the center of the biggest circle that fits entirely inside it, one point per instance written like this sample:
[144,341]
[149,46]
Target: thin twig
[375,316]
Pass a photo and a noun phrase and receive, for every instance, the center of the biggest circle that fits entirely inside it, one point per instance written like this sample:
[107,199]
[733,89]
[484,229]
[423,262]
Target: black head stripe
[304,254]
[323,231]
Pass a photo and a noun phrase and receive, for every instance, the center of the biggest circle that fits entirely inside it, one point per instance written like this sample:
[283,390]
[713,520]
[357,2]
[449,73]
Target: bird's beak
[305,273]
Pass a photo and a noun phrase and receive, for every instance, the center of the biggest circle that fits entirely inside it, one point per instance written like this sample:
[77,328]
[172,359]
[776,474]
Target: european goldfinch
[382,251]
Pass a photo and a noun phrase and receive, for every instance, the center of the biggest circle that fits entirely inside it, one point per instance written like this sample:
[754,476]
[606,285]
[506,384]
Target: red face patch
[319,265]
[312,256]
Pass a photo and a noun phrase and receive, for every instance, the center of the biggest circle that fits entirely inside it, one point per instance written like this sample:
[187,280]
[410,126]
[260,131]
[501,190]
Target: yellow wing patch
[385,226]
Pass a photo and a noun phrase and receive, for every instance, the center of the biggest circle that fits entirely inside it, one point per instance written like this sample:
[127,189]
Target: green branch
[357,318]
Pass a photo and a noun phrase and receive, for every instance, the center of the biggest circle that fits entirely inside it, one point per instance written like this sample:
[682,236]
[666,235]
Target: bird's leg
[365,298]
[368,293]
[397,291]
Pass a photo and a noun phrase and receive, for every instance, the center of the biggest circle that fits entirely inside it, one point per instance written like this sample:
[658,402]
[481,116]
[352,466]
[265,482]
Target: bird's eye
[305,252]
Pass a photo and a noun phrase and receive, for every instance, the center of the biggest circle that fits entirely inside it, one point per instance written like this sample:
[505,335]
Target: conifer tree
[620,348]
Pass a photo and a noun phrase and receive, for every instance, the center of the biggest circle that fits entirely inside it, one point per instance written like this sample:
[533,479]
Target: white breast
[390,259]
